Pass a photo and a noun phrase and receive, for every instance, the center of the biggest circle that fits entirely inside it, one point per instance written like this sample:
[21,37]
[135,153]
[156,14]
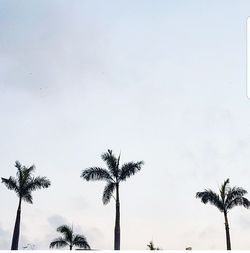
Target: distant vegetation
[151,246]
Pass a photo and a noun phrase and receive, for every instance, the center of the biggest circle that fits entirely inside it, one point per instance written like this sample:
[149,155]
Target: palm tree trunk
[117,220]
[227,232]
[15,237]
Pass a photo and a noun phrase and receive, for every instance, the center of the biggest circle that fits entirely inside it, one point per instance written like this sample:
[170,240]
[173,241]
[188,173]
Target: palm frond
[208,196]
[31,169]
[27,171]
[18,165]
[95,174]
[107,193]
[129,169]
[224,189]
[11,183]
[81,242]
[238,201]
[19,173]
[36,183]
[58,243]
[67,232]
[111,161]
[27,198]
[23,176]
[234,193]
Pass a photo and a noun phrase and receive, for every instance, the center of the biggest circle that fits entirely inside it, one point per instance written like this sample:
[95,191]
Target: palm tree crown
[113,175]
[226,199]
[69,239]
[24,183]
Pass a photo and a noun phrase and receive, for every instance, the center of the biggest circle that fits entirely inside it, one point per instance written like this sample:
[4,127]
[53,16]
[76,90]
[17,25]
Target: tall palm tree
[24,184]
[226,199]
[113,176]
[70,239]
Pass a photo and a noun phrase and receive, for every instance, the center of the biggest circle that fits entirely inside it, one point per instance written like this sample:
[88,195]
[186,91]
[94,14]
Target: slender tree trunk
[70,247]
[117,221]
[15,237]
[227,232]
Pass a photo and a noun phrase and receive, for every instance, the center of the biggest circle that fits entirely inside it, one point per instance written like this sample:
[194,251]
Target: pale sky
[159,81]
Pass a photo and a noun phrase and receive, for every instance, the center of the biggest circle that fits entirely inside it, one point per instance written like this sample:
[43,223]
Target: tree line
[25,183]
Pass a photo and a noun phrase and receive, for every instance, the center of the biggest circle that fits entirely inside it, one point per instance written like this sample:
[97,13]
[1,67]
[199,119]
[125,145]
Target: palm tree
[69,239]
[226,199]
[112,176]
[24,184]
